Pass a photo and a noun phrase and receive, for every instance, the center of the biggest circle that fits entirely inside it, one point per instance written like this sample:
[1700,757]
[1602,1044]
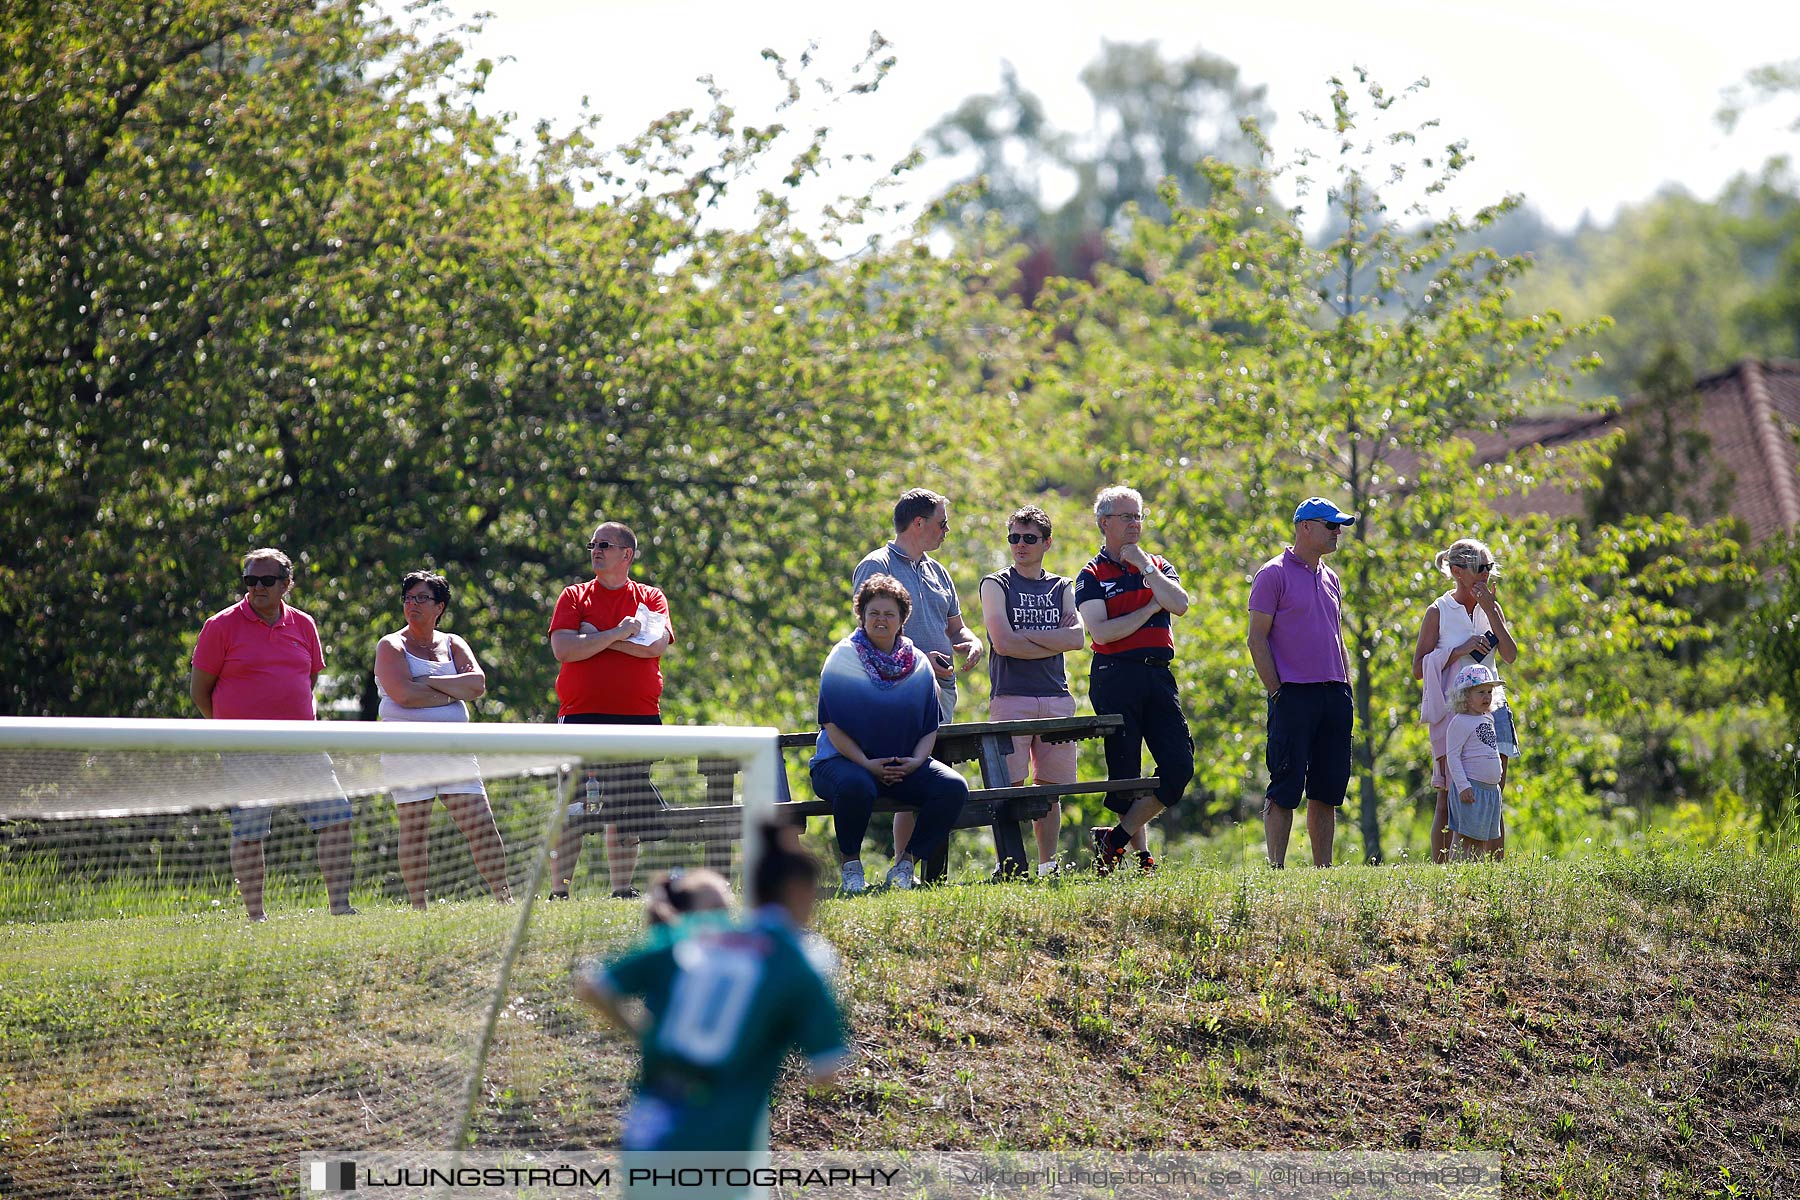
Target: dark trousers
[1310,727]
[934,789]
[1144,694]
[630,800]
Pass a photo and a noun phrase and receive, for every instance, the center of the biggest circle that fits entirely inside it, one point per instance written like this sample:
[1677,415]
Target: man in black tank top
[1031,623]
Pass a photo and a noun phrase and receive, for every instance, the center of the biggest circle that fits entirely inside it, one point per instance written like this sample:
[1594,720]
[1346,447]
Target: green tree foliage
[274,280]
[1155,119]
[1268,369]
[189,187]
[1772,632]
[1664,462]
[1775,311]
[1674,274]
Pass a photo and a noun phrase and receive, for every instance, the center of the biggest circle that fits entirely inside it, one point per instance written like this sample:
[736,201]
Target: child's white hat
[1473,676]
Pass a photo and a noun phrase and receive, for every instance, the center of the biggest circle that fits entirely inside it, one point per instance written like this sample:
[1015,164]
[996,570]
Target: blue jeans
[934,789]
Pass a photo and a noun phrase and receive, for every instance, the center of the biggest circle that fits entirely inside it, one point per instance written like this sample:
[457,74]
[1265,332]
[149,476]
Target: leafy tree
[1772,632]
[1675,274]
[1664,463]
[1155,119]
[284,284]
[188,185]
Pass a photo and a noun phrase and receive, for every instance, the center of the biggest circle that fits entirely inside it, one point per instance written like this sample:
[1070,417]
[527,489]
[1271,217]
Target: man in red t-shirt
[609,634]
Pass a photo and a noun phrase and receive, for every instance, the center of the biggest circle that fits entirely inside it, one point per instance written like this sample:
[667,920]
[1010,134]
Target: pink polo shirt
[265,671]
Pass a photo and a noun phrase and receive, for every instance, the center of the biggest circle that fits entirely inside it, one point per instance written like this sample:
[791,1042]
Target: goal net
[156,1040]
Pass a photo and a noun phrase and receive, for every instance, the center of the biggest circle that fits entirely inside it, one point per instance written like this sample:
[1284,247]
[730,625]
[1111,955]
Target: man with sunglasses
[611,674]
[259,661]
[1031,623]
[1297,644]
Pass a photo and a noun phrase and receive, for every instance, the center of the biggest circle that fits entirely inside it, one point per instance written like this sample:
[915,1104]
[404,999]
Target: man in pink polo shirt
[258,660]
[1297,644]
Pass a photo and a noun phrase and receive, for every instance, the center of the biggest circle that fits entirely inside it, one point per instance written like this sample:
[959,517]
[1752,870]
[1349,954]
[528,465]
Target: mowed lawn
[1612,1026]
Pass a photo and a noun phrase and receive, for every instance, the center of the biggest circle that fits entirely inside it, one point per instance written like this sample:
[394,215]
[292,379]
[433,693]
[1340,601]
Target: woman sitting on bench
[878,713]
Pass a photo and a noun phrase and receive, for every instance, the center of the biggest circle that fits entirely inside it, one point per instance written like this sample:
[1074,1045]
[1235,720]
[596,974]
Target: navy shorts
[1310,728]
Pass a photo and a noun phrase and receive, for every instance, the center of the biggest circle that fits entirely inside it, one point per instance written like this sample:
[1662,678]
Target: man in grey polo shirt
[935,624]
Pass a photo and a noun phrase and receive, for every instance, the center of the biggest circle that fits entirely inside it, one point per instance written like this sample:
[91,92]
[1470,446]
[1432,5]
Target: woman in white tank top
[1463,626]
[424,675]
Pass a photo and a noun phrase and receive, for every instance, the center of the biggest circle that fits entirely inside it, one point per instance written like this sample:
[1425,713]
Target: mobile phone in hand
[1492,641]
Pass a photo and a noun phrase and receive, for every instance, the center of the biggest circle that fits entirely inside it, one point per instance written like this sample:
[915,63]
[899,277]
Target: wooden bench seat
[1003,809]
[985,807]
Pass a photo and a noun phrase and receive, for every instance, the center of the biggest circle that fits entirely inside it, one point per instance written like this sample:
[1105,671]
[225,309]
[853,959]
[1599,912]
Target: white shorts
[406,771]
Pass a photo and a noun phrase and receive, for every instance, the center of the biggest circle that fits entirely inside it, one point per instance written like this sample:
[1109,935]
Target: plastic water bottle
[592,804]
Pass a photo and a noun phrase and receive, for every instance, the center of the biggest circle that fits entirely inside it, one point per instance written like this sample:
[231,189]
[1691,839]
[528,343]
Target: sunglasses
[267,581]
[1334,526]
[1030,539]
[607,546]
[1478,568]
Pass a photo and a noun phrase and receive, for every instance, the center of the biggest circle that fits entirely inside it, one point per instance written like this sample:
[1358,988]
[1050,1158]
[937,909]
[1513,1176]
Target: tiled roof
[1749,412]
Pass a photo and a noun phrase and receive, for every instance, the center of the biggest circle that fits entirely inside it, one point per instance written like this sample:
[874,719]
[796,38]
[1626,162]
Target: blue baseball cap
[1318,508]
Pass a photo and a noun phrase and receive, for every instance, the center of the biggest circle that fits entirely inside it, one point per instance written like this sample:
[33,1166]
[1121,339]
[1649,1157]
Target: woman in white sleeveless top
[1465,625]
[424,675]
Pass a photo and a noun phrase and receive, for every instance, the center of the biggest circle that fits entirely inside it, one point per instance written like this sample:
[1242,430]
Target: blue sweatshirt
[885,722]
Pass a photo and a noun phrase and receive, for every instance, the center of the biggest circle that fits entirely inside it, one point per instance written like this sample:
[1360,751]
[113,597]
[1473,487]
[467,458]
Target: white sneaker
[854,884]
[900,875]
[1047,869]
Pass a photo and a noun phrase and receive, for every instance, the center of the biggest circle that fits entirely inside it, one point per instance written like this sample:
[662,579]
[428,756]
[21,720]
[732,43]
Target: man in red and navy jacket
[1126,597]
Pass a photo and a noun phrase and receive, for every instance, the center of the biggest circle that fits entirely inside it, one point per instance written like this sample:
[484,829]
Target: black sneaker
[626,893]
[1105,857]
[1146,863]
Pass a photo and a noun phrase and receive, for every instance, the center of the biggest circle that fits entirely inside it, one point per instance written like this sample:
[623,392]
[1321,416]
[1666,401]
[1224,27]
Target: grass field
[1612,1025]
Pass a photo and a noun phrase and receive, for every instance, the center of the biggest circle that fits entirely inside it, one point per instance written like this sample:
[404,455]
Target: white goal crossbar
[758,747]
[756,750]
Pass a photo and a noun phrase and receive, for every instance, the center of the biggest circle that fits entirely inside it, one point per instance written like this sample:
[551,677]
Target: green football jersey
[726,1005]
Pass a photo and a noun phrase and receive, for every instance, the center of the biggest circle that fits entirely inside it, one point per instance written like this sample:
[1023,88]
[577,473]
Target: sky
[1581,105]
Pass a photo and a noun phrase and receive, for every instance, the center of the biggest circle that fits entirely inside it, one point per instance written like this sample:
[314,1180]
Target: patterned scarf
[885,670]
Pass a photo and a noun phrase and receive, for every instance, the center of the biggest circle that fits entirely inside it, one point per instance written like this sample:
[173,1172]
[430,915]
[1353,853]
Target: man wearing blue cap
[1297,643]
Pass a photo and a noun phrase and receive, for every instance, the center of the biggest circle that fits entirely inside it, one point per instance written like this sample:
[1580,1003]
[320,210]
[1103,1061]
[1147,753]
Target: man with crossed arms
[1126,597]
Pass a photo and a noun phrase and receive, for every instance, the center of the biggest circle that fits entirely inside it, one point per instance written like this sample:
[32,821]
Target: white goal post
[99,813]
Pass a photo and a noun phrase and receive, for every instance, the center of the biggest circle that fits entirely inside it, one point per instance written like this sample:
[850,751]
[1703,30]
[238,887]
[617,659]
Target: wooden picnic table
[1004,809]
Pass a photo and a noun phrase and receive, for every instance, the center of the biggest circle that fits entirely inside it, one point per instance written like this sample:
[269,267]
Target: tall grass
[1634,1008]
